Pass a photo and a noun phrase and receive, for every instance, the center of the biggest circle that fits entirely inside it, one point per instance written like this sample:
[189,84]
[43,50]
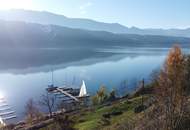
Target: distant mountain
[30,35]
[54,19]
[50,18]
[26,45]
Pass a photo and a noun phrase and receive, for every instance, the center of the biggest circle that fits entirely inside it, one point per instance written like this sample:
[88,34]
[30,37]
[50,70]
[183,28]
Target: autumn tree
[170,91]
[100,97]
[102,94]
[187,74]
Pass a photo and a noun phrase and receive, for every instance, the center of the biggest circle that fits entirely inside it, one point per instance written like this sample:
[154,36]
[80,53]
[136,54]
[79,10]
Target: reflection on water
[109,70]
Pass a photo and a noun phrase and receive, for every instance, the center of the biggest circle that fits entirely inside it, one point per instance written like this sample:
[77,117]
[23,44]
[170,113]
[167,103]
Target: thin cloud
[83,8]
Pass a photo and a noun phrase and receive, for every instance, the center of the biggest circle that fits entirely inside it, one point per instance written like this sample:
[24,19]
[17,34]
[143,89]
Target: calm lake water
[129,65]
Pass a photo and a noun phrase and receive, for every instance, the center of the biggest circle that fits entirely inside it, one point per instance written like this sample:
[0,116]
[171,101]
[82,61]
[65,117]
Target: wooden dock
[69,93]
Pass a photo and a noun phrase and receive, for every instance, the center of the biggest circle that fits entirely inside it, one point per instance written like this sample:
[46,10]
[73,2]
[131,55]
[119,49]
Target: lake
[108,67]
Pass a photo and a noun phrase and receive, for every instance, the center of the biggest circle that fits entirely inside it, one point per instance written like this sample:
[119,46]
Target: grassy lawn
[89,120]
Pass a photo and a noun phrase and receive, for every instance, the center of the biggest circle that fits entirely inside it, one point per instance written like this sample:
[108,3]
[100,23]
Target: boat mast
[52,78]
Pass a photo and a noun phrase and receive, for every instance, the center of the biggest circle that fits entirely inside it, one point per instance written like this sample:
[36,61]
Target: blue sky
[139,13]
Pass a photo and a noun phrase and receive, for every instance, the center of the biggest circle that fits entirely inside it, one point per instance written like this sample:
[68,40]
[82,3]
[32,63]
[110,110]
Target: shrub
[95,100]
[105,121]
[64,122]
[140,108]
[116,111]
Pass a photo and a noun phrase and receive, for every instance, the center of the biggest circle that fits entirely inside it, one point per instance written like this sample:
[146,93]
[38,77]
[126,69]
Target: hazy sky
[139,13]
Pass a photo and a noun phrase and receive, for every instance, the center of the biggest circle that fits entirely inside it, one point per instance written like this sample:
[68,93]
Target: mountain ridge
[44,17]
[21,34]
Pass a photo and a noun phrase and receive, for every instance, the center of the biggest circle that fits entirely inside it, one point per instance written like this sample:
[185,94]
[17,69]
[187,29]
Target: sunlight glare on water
[2,96]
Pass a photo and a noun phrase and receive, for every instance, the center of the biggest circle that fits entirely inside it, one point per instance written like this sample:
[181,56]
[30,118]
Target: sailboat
[83,92]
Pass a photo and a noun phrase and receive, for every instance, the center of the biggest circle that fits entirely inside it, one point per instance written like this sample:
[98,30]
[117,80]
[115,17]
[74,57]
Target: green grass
[91,119]
[87,119]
